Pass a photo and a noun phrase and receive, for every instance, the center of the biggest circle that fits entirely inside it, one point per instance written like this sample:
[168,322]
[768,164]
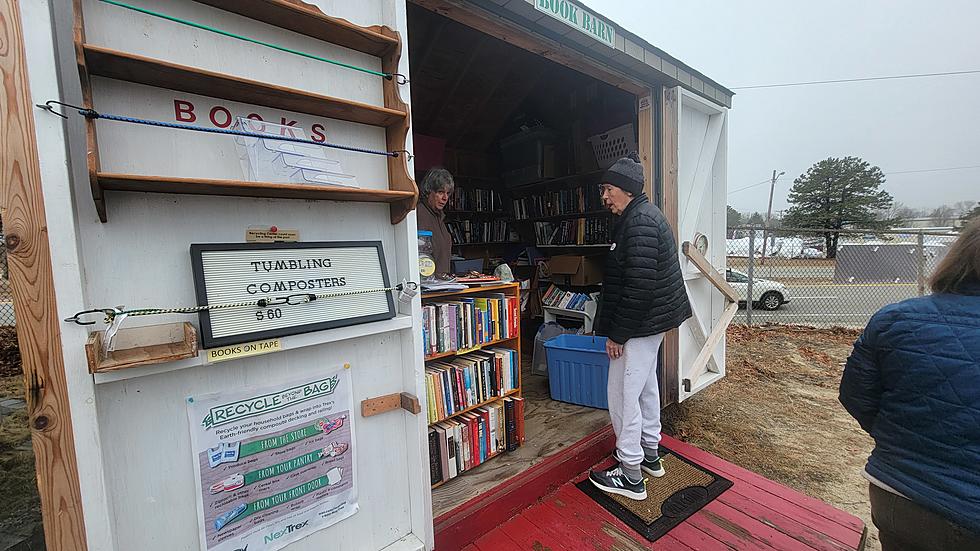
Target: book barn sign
[286,274]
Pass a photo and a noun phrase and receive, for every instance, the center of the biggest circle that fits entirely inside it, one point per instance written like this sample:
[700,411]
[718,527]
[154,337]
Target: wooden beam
[695,326]
[695,369]
[705,267]
[484,21]
[32,286]
[91,137]
[669,117]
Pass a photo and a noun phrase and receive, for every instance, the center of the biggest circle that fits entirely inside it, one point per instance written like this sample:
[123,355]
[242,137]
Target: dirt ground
[776,413]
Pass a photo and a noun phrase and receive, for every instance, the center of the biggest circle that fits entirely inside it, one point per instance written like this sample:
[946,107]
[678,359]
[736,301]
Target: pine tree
[838,193]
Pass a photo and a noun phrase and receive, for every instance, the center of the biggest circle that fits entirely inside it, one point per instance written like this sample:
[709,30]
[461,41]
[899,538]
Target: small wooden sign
[243,350]
[280,272]
[270,234]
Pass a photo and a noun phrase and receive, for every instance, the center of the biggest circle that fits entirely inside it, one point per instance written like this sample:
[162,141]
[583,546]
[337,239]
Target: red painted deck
[756,513]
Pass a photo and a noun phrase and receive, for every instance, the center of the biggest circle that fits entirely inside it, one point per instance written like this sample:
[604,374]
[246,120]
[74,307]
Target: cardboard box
[577,270]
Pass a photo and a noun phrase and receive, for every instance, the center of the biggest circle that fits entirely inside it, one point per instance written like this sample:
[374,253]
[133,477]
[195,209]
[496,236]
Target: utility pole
[765,230]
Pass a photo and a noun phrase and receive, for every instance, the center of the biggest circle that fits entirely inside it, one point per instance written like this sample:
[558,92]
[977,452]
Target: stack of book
[556,203]
[577,231]
[465,442]
[477,200]
[479,231]
[568,300]
[468,322]
[460,383]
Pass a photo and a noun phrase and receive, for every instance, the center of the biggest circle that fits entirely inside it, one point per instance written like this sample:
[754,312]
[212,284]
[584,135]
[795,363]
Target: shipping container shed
[241,176]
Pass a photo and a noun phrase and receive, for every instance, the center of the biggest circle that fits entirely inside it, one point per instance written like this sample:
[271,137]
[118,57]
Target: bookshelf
[473,377]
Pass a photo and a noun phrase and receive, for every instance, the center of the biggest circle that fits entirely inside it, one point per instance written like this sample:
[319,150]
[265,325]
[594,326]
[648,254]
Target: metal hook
[83,111]
[408,154]
[400,78]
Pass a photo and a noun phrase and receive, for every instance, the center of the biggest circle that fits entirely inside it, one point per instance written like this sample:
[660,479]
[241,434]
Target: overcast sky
[898,125]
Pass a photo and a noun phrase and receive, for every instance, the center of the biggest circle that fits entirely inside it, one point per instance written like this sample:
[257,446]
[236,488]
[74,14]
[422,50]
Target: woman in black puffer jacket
[643,297]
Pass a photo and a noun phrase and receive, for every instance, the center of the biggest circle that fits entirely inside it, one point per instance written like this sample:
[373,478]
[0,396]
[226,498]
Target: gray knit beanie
[626,174]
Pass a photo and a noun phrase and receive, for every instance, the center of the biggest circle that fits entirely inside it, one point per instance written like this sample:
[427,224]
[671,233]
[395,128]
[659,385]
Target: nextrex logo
[285,531]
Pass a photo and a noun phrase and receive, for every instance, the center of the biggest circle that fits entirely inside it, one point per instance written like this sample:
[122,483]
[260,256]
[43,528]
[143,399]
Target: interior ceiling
[466,85]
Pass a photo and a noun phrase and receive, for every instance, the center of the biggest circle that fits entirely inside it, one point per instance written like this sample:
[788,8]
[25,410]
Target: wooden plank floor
[550,426]
[755,513]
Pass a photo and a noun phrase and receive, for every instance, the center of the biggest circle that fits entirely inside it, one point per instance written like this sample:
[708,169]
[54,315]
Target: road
[849,305]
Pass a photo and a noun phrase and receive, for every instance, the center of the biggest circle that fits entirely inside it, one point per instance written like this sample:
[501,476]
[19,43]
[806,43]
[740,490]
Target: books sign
[286,274]
[579,18]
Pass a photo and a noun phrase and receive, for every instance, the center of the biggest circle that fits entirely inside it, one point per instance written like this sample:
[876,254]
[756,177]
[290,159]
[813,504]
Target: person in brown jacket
[437,187]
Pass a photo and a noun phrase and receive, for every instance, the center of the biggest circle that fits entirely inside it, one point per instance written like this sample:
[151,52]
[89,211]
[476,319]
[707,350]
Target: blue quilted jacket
[913,383]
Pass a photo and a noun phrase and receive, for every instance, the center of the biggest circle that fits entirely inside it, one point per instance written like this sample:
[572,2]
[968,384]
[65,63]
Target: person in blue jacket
[913,383]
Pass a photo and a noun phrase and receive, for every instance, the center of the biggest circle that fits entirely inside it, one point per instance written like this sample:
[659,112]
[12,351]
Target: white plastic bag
[550,330]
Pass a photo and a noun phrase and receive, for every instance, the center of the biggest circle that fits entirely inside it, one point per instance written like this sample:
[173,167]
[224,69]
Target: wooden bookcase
[292,15]
[513,342]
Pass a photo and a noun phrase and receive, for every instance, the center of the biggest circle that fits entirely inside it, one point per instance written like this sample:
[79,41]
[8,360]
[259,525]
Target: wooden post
[669,391]
[32,285]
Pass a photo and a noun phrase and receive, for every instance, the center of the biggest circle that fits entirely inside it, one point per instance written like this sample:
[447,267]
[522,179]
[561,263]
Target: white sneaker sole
[649,471]
[620,491]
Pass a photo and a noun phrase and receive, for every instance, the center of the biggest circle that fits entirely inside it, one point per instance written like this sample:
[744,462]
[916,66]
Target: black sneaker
[616,482]
[653,467]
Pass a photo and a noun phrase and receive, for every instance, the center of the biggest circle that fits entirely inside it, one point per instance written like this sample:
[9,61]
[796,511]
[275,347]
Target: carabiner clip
[109,314]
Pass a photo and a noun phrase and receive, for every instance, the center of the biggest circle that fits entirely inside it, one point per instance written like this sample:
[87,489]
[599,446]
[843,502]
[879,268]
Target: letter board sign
[244,272]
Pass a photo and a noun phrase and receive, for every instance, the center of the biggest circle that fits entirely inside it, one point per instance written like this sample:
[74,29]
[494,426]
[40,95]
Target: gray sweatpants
[634,398]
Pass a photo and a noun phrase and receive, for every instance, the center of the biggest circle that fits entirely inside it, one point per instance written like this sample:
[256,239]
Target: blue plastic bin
[578,369]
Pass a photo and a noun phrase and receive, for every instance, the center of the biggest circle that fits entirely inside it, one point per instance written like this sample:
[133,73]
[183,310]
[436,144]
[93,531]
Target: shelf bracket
[390,402]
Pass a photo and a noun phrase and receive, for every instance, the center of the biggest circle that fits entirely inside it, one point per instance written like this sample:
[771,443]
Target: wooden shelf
[497,213]
[572,178]
[509,393]
[202,186]
[141,346]
[109,63]
[605,245]
[566,216]
[472,290]
[486,243]
[308,20]
[468,350]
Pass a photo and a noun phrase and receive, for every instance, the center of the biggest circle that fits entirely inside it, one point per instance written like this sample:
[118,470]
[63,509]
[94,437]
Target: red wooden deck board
[732,471]
[795,528]
[607,531]
[801,515]
[755,514]
[496,540]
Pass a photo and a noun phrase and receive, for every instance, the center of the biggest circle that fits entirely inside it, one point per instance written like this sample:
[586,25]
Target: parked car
[766,294]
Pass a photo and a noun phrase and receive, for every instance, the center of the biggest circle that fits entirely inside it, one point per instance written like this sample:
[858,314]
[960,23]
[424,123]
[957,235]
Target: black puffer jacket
[643,288]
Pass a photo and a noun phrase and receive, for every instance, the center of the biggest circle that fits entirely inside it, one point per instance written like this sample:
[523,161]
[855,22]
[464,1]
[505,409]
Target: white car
[766,294]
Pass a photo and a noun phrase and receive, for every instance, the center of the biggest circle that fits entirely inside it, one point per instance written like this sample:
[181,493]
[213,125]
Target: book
[510,424]
[443,451]
[435,462]
[519,419]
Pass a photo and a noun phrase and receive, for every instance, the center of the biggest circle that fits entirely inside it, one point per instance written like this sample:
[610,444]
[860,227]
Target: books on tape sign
[297,280]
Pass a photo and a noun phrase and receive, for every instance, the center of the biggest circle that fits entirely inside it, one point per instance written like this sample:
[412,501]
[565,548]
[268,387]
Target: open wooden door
[702,185]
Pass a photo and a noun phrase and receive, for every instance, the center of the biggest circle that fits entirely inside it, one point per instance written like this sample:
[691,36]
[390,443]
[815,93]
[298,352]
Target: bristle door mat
[683,491]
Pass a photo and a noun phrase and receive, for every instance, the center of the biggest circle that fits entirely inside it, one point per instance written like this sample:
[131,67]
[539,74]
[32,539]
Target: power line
[863,79]
[921,170]
[932,169]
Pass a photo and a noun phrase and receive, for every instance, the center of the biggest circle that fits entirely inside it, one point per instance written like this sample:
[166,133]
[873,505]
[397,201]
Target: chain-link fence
[828,277]
[6,298]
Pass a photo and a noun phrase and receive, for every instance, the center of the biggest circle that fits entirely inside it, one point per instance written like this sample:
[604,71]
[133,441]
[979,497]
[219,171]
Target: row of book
[469,321]
[569,300]
[481,200]
[460,383]
[577,200]
[578,231]
[479,231]
[465,442]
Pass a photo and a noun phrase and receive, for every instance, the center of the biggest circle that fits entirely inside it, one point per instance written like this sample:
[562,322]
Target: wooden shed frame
[28,215]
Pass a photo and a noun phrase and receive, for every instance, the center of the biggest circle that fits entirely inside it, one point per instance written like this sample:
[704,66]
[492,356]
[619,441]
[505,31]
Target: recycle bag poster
[273,464]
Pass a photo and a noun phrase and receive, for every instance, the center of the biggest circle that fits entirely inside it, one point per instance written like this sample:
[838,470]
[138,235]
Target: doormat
[683,491]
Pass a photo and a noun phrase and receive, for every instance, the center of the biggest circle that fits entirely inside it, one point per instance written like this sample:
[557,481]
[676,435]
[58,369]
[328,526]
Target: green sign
[579,18]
